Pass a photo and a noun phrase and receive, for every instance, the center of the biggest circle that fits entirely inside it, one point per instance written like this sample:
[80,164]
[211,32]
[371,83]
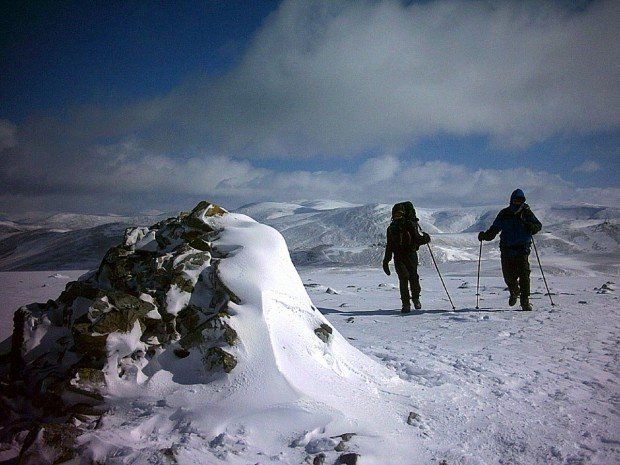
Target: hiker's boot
[406,309]
[514,295]
[416,304]
[526,305]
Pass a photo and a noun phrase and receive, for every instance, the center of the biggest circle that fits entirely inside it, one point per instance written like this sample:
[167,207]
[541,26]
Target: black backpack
[403,228]
[407,209]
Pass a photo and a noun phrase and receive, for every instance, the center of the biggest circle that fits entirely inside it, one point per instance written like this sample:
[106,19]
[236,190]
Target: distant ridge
[329,233]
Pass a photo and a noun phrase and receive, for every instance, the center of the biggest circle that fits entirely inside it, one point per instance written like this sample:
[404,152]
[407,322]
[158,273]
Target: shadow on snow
[381,312]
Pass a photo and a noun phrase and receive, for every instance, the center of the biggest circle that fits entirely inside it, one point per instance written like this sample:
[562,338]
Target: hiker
[403,240]
[516,225]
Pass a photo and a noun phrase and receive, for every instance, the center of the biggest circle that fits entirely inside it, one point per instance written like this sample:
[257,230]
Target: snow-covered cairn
[208,299]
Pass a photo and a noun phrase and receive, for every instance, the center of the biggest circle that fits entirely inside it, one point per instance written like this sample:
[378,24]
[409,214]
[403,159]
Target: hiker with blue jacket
[403,240]
[515,224]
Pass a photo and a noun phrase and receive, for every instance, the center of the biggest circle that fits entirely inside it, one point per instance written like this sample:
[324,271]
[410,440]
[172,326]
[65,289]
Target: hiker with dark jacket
[516,225]
[403,240]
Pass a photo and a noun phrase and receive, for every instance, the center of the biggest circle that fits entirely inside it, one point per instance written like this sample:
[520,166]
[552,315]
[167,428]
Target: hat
[517,194]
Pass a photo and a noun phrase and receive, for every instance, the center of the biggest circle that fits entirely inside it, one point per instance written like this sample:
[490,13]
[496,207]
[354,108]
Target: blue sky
[128,106]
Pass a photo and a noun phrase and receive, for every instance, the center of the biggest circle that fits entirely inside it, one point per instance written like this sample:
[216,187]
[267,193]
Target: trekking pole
[542,272]
[437,268]
[478,282]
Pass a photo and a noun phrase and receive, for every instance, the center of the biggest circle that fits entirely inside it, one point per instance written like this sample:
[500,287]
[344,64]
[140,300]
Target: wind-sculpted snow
[189,336]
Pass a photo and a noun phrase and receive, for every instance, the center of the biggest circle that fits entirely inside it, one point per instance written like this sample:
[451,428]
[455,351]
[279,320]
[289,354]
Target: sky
[133,106]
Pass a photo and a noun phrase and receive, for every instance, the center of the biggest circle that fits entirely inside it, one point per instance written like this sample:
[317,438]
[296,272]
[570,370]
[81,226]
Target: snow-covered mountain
[355,235]
[335,233]
[62,241]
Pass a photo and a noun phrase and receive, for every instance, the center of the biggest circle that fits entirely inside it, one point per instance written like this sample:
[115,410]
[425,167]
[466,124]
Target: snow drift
[189,338]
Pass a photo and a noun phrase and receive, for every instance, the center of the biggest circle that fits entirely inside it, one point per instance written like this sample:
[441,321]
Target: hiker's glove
[426,237]
[482,236]
[386,267]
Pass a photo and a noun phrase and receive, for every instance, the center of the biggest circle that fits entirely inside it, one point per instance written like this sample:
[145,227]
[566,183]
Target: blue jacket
[515,224]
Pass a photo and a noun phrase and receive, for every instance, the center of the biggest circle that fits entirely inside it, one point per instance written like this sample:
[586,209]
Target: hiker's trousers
[516,271]
[406,265]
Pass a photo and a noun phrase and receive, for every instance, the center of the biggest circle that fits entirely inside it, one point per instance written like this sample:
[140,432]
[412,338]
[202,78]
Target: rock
[345,437]
[413,418]
[134,290]
[49,444]
[207,209]
[76,289]
[217,359]
[169,454]
[87,378]
[200,244]
[348,459]
[341,446]
[319,459]
[16,358]
[115,321]
[323,332]
[181,352]
[87,343]
[212,331]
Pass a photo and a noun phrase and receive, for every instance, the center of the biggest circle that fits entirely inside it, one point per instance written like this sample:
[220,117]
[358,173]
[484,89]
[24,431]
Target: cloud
[125,178]
[338,78]
[329,77]
[588,166]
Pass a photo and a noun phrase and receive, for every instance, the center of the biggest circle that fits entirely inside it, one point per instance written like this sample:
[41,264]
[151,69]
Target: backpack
[407,209]
[400,235]
[402,230]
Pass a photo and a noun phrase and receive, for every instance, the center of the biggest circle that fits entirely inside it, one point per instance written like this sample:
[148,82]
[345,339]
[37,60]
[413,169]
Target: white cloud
[335,78]
[588,166]
[329,77]
[341,77]
[125,177]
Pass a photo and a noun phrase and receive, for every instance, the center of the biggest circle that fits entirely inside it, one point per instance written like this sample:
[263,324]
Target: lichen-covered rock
[217,359]
[323,332]
[64,351]
[214,329]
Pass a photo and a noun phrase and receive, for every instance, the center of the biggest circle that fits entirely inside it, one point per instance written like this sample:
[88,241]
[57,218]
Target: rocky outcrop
[158,289]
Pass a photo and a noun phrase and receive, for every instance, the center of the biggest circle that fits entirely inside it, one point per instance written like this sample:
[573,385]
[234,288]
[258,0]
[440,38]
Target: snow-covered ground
[468,387]
[487,386]
[494,385]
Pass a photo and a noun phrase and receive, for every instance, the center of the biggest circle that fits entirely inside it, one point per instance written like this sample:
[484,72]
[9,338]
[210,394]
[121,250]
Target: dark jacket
[516,225]
[403,237]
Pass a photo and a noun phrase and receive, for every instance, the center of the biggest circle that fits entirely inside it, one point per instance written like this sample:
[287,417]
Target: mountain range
[576,239]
